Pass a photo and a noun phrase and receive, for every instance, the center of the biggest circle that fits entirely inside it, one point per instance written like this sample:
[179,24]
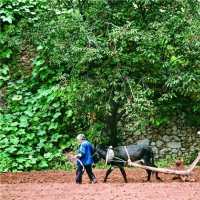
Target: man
[84,160]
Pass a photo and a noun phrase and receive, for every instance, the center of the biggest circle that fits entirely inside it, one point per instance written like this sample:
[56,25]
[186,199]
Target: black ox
[135,152]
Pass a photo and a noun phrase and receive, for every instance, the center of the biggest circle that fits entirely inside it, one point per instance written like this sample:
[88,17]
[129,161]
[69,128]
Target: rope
[81,164]
[127,154]
[95,152]
[107,155]
[119,160]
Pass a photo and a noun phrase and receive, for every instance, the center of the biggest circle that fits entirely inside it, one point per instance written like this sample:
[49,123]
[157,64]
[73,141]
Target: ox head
[99,152]
[96,157]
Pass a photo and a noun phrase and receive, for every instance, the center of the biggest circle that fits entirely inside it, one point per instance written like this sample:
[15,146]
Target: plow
[179,170]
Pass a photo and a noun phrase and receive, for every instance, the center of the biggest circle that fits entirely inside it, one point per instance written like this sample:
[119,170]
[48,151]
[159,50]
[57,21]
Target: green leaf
[21,132]
[56,104]
[41,132]
[11,149]
[8,18]
[69,113]
[56,115]
[29,113]
[43,164]
[23,140]
[4,143]
[33,161]
[47,155]
[16,97]
[53,125]
[23,121]
[5,78]
[5,69]
[173,58]
[14,140]
[30,136]
[14,124]
[7,53]
[51,97]
[21,160]
[55,137]
[38,62]
[40,145]
[23,124]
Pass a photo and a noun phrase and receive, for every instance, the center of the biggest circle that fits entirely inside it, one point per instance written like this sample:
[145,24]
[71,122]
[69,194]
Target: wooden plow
[181,173]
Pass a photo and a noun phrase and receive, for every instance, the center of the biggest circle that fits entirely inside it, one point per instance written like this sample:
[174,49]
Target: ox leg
[149,172]
[108,172]
[157,177]
[149,175]
[123,173]
[148,163]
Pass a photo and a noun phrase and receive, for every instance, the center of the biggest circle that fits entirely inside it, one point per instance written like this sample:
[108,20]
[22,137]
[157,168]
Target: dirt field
[60,185]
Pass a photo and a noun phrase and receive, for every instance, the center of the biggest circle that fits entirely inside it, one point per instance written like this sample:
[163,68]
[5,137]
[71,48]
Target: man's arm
[82,151]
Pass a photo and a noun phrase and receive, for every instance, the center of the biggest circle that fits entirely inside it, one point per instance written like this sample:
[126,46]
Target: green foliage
[142,55]
[166,163]
[30,137]
[192,157]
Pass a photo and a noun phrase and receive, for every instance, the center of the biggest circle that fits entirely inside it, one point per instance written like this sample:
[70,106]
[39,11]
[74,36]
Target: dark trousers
[80,172]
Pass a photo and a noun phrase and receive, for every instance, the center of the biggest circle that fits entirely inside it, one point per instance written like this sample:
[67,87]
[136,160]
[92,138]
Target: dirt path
[60,185]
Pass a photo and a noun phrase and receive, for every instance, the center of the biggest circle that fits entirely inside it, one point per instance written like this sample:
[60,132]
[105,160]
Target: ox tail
[152,159]
[153,165]
[152,162]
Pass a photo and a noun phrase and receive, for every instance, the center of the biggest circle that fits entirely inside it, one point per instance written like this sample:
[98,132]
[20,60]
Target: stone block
[177,139]
[166,138]
[156,137]
[179,153]
[130,141]
[183,132]
[164,151]
[159,143]
[155,150]
[168,131]
[137,133]
[144,141]
[153,143]
[174,145]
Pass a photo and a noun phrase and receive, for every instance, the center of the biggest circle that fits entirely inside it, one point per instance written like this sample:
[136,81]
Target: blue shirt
[86,151]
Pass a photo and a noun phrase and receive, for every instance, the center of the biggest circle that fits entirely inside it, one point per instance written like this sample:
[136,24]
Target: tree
[97,63]
[128,54]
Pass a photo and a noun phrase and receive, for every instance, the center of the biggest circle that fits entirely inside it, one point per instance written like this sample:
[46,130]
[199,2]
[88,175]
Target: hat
[81,136]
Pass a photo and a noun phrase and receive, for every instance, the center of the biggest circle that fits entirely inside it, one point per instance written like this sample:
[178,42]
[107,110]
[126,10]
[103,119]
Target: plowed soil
[60,185]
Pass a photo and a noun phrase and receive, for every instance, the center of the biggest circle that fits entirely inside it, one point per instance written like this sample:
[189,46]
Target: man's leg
[90,173]
[79,174]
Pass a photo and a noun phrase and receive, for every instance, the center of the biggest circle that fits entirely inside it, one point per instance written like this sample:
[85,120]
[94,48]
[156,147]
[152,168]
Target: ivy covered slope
[93,64]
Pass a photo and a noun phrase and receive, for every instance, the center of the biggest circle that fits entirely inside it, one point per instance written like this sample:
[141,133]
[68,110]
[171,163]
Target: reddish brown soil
[60,185]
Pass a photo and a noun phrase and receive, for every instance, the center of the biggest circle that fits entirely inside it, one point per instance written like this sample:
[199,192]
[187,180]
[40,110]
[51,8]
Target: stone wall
[174,139]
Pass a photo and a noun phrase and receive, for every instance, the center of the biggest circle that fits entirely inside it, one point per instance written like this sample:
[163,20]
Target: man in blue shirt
[84,160]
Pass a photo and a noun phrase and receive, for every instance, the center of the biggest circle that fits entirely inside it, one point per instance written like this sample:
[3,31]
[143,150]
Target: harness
[110,156]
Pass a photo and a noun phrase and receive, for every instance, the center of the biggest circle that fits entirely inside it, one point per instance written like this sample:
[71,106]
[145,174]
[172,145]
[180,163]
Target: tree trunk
[111,121]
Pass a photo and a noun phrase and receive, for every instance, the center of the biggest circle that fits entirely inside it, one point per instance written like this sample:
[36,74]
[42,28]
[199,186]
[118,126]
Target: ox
[141,152]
